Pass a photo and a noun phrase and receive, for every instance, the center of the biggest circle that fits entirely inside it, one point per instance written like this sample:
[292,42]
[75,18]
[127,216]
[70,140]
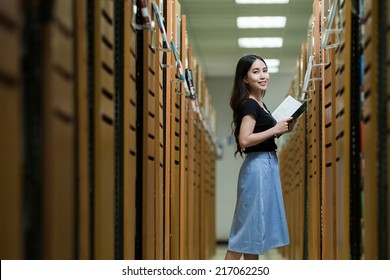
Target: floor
[270,255]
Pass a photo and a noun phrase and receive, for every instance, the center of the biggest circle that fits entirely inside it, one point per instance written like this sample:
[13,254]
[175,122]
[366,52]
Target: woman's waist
[261,153]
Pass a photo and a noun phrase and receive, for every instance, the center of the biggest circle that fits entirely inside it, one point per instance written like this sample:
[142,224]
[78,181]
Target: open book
[290,107]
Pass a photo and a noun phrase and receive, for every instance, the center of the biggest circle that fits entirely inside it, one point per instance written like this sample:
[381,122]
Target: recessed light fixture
[260,42]
[261,22]
[262,1]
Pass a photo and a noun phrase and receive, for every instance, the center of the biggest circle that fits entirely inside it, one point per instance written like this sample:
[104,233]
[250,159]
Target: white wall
[228,167]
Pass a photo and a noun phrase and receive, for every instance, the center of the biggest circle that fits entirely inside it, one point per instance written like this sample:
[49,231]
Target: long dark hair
[240,93]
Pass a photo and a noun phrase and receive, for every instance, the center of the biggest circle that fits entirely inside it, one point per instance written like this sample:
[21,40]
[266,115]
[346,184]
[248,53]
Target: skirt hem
[259,252]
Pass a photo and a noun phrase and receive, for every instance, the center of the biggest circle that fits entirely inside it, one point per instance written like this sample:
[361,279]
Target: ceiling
[212,32]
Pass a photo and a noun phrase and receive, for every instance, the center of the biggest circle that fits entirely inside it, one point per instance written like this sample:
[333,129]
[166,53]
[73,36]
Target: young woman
[259,222]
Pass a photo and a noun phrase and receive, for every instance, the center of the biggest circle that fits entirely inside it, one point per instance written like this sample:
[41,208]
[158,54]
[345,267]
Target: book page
[286,109]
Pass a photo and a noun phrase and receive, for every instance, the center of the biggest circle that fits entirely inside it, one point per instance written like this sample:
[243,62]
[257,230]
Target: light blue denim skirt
[259,222]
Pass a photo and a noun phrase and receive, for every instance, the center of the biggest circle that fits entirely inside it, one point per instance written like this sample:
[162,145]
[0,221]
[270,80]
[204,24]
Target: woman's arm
[247,138]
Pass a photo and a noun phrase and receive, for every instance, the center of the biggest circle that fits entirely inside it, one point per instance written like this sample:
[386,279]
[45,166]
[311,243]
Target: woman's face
[257,77]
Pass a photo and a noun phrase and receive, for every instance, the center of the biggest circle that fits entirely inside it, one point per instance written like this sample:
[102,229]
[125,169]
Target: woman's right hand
[282,127]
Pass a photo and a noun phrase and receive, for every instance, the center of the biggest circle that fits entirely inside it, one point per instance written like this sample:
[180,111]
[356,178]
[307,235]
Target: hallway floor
[270,255]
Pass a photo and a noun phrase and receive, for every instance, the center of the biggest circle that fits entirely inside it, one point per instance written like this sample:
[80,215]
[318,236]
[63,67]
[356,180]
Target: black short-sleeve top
[264,121]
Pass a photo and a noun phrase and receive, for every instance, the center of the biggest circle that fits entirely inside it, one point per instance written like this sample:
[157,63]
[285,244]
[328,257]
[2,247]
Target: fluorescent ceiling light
[261,22]
[272,62]
[262,1]
[260,42]
[273,70]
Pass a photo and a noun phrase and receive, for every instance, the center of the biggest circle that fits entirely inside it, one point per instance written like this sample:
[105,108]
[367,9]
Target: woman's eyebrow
[258,68]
